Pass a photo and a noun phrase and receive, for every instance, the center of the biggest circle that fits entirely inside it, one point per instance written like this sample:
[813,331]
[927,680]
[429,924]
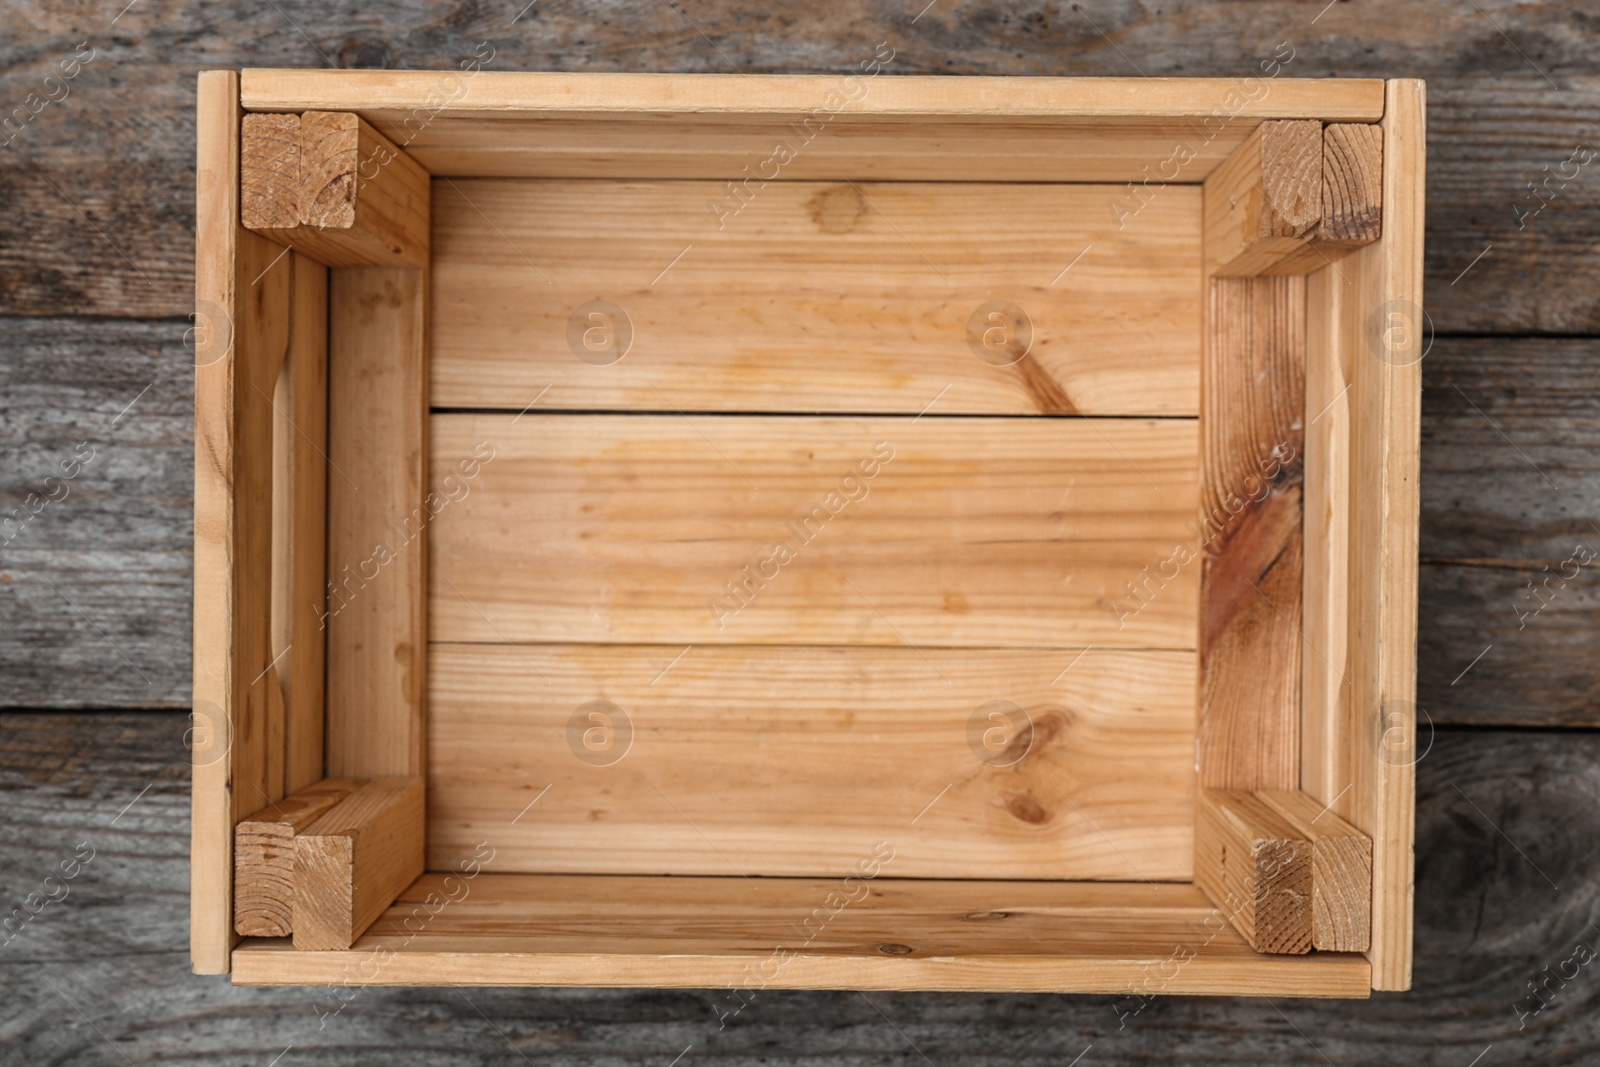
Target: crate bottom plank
[805,933]
[826,750]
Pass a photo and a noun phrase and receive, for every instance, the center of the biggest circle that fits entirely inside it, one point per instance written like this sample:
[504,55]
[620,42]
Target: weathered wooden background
[96,252]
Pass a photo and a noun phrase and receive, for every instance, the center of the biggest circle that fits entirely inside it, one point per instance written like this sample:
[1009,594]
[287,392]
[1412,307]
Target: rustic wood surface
[1501,895]
[97,245]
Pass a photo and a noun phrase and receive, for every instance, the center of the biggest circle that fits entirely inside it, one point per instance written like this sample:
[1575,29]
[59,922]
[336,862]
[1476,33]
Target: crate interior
[785,559]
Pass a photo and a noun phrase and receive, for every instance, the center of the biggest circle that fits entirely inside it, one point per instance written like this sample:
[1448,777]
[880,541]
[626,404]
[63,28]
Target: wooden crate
[806,532]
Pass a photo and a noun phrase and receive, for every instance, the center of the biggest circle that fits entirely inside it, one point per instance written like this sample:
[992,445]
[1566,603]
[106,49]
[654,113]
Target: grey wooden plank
[95,585]
[101,182]
[1510,539]
[1510,449]
[1503,891]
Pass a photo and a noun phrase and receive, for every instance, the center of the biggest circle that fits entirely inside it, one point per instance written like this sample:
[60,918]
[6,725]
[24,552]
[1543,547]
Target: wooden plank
[1251,460]
[300,596]
[377,449]
[1385,398]
[1341,871]
[670,529]
[771,761]
[1332,339]
[870,933]
[811,296]
[1256,867]
[263,857]
[496,92]
[1508,641]
[96,513]
[1261,204]
[1151,154]
[242,324]
[351,863]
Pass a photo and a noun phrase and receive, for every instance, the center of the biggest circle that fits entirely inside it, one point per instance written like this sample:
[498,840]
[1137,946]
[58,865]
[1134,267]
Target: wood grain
[1252,456]
[97,433]
[777,761]
[868,933]
[1333,331]
[263,857]
[1385,401]
[809,296]
[1352,183]
[364,202]
[242,315]
[1265,200]
[377,451]
[923,533]
[1256,867]
[1341,871]
[351,863]
[270,174]
[300,530]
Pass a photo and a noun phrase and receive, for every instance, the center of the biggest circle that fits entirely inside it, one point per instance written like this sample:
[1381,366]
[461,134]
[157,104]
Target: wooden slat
[303,434]
[242,332]
[1267,197]
[1252,422]
[1341,871]
[1333,339]
[498,93]
[263,857]
[377,541]
[351,863]
[976,532]
[805,934]
[812,296]
[1385,398]
[855,146]
[772,761]
[1256,867]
